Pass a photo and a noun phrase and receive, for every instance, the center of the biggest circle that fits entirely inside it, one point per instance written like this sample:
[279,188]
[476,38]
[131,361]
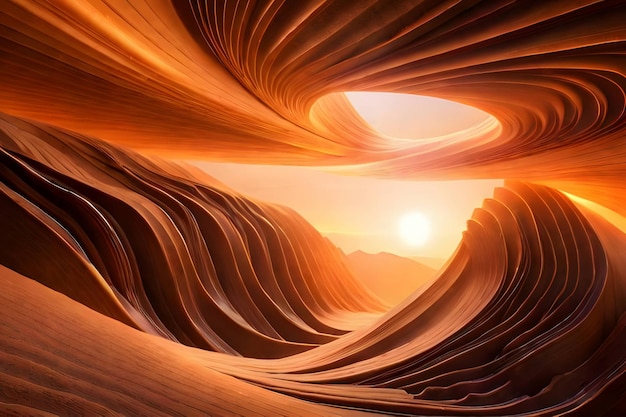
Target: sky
[363,213]
[410,116]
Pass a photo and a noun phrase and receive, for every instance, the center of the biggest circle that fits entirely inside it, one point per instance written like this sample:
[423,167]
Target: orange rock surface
[135,285]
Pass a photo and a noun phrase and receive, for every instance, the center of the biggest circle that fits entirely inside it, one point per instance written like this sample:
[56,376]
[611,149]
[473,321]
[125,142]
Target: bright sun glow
[414,229]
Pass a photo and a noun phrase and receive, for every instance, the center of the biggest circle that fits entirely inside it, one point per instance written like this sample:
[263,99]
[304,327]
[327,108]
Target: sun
[414,229]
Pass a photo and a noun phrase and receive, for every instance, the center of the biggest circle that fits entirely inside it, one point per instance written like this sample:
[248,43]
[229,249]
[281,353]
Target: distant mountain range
[391,277]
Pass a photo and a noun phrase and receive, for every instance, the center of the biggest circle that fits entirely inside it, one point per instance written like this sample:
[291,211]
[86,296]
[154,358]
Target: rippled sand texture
[134,285]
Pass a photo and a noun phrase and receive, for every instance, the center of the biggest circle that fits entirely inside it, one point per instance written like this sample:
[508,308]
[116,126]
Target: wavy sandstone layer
[134,285]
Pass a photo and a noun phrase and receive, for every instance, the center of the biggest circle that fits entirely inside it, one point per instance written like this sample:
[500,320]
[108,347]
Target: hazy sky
[361,212]
[414,117]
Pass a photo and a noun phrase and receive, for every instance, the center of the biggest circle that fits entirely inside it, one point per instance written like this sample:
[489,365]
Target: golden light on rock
[134,283]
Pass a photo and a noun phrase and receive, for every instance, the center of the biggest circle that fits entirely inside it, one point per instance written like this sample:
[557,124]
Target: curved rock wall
[161,291]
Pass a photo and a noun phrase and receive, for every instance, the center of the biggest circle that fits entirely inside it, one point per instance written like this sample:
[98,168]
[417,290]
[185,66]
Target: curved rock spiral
[135,285]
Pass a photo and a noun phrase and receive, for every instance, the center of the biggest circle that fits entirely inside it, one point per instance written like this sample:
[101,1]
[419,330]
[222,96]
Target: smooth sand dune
[134,285]
[62,358]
